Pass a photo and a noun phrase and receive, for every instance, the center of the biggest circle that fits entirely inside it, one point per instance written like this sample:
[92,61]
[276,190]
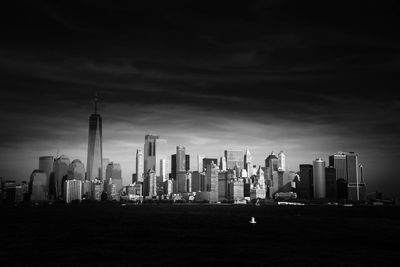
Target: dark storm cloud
[318,74]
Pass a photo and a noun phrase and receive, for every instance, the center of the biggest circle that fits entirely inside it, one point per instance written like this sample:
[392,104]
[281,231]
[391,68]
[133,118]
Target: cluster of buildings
[160,175]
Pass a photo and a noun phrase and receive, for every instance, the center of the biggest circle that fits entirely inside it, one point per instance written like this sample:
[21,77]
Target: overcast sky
[309,79]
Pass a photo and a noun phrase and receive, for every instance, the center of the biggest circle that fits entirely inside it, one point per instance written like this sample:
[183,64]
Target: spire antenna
[95,102]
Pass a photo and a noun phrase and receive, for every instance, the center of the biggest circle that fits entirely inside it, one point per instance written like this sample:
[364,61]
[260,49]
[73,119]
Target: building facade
[94,162]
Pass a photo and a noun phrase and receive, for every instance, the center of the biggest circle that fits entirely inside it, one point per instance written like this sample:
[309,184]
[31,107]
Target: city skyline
[209,77]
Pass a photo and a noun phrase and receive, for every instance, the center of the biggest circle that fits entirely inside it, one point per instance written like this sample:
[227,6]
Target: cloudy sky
[306,78]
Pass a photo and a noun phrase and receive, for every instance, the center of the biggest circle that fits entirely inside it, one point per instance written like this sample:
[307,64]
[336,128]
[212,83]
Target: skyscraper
[207,162]
[150,184]
[305,186]
[247,158]
[46,165]
[139,165]
[72,190]
[233,158]
[180,159]
[95,148]
[356,187]
[38,186]
[76,170]
[200,166]
[60,169]
[338,161]
[319,178]
[281,162]
[187,162]
[113,171]
[155,149]
[222,164]
[104,166]
[331,185]
[212,182]
[163,169]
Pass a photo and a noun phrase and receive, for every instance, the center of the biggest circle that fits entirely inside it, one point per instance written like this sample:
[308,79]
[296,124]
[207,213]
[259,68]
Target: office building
[338,161]
[155,149]
[208,161]
[222,185]
[319,178]
[86,189]
[180,159]
[76,170]
[281,162]
[60,169]
[272,162]
[114,171]
[150,184]
[247,162]
[38,190]
[168,187]
[200,166]
[97,189]
[305,185]
[94,162]
[198,181]
[104,166]
[163,169]
[222,164]
[72,190]
[235,191]
[331,185]
[111,191]
[234,158]
[139,165]
[212,182]
[46,165]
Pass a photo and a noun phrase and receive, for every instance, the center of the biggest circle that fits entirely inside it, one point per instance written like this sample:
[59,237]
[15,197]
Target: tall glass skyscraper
[139,165]
[155,149]
[233,158]
[95,149]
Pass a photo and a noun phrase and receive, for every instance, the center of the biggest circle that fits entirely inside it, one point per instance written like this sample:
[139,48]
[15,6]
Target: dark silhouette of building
[305,187]
[330,181]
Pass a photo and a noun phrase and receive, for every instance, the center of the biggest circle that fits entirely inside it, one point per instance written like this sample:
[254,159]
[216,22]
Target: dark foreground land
[192,235]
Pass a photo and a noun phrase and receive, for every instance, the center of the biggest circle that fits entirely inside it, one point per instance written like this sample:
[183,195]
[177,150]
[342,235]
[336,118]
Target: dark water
[111,234]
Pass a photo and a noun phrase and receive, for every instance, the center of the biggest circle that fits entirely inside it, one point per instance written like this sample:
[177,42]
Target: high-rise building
[38,190]
[76,170]
[72,190]
[233,158]
[247,162]
[338,161]
[331,185]
[200,167]
[94,162]
[180,159]
[319,178]
[139,165]
[150,184]
[155,149]
[356,187]
[97,189]
[272,161]
[46,165]
[111,190]
[281,162]
[187,162]
[104,166]
[305,186]
[222,164]
[86,189]
[163,169]
[113,171]
[60,169]
[212,182]
[208,161]
[173,166]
